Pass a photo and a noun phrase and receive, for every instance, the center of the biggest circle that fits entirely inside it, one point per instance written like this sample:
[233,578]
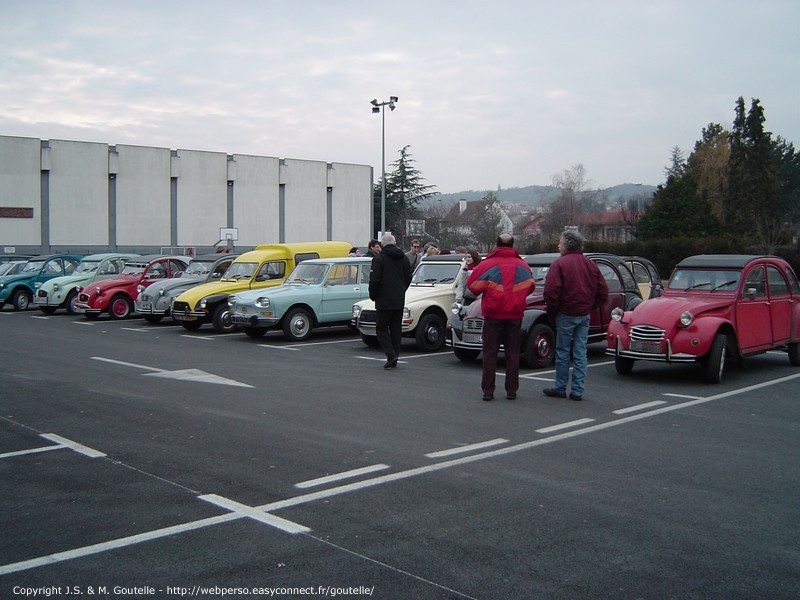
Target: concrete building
[58,195]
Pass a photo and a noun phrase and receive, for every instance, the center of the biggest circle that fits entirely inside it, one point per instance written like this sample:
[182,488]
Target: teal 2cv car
[318,292]
[19,289]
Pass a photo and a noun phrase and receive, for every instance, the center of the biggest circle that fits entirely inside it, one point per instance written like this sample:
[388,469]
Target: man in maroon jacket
[505,280]
[573,286]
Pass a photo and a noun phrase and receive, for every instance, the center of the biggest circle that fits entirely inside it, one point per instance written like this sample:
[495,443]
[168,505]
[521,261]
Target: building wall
[88,197]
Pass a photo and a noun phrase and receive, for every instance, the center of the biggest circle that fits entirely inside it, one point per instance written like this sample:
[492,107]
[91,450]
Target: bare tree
[571,203]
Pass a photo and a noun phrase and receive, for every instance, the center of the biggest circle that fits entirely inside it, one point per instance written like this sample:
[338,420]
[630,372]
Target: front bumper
[253,320]
[183,312]
[367,321]
[42,298]
[662,353]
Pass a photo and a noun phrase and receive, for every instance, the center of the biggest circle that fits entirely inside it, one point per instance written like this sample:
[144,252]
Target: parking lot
[142,460]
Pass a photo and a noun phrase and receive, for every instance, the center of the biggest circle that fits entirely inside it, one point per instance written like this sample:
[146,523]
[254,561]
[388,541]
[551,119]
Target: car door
[599,317]
[51,269]
[780,305]
[644,278]
[156,270]
[753,326]
[341,290]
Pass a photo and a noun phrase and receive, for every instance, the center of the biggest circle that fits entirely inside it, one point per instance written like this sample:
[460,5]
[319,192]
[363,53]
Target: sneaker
[576,397]
[554,393]
[390,363]
[488,397]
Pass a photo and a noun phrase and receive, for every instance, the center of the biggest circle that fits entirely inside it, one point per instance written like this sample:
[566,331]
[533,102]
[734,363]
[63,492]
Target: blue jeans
[572,334]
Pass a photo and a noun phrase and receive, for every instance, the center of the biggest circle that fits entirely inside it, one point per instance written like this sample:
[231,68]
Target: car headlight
[356,310]
[232,302]
[686,318]
[161,292]
[139,289]
[455,308]
[97,291]
[37,285]
[202,304]
[617,314]
[55,287]
[406,312]
[2,285]
[262,302]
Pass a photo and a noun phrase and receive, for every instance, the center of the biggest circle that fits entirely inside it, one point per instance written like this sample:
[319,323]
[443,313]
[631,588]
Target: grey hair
[572,240]
[388,238]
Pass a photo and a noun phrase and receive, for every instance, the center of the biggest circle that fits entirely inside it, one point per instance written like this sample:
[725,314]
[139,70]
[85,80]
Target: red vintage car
[117,296]
[715,308]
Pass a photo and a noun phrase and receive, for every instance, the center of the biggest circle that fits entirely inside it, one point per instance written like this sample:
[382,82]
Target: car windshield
[33,266]
[433,273]
[705,280]
[240,270]
[199,267]
[11,268]
[87,266]
[306,273]
[134,269]
[539,272]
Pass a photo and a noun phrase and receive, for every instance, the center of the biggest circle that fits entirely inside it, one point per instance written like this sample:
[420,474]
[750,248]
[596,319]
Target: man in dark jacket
[505,280]
[573,287]
[389,278]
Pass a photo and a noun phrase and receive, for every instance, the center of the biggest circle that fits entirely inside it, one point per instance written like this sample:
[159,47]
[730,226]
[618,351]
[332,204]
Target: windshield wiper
[731,282]
[697,285]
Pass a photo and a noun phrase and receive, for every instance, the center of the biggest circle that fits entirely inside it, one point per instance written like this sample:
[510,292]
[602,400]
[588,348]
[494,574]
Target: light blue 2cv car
[318,292]
[62,292]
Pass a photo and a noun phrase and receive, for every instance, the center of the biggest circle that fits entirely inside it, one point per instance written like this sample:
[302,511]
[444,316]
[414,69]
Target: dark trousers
[389,329]
[507,333]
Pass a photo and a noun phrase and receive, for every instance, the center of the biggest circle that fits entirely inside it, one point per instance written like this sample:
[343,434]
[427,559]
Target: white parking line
[197,337]
[339,476]
[39,317]
[630,409]
[568,425]
[91,323]
[79,448]
[31,451]
[683,396]
[303,344]
[292,348]
[136,329]
[251,513]
[127,364]
[467,448]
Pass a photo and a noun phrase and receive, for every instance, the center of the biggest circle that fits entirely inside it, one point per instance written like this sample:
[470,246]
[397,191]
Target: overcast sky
[492,92]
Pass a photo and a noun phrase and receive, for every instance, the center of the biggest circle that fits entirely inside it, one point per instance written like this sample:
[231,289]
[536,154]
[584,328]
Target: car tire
[430,333]
[255,332]
[632,302]
[715,363]
[153,318]
[623,364]
[191,325]
[69,303]
[466,354]
[20,300]
[297,325]
[539,347]
[794,354]
[48,310]
[120,307]
[370,340]
[222,319]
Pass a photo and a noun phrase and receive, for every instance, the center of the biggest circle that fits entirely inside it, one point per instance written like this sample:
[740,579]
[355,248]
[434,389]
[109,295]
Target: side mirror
[750,293]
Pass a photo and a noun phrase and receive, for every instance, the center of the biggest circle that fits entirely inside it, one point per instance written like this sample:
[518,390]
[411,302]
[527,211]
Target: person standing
[389,278]
[505,280]
[573,287]
[413,255]
[373,248]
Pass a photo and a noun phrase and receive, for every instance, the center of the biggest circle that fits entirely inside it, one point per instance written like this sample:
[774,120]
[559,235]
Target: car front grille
[180,306]
[473,325]
[41,293]
[83,297]
[647,333]
[368,316]
[144,298]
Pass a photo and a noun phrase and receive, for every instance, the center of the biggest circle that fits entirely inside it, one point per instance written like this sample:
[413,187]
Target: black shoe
[488,397]
[511,396]
[390,363]
[554,393]
[576,397]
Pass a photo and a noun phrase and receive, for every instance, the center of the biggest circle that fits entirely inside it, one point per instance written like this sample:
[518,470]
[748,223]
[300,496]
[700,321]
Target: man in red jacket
[505,280]
[573,286]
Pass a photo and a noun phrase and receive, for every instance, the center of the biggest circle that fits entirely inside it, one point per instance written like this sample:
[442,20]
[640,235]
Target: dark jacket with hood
[389,278]
[574,285]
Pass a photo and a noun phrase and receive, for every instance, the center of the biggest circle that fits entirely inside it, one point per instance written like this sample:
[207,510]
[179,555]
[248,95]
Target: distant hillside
[537,195]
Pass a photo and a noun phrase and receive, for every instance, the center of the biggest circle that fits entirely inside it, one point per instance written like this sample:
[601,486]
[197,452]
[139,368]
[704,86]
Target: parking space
[134,454]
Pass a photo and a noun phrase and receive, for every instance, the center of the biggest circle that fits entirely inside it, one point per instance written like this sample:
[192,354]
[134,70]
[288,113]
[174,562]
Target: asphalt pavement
[146,461]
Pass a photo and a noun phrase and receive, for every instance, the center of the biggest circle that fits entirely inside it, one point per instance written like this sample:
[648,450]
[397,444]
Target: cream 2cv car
[428,301]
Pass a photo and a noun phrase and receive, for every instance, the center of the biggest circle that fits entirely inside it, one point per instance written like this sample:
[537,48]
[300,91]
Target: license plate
[39,300]
[648,347]
[147,306]
[473,338]
[240,320]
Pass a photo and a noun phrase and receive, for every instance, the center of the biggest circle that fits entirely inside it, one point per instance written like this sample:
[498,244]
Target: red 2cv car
[116,296]
[715,307]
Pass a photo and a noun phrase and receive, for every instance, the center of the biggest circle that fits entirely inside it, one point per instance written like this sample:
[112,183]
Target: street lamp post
[376,108]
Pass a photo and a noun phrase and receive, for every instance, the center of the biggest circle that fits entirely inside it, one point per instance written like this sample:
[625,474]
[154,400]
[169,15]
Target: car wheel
[20,300]
[153,318]
[430,333]
[715,364]
[69,303]
[466,354]
[370,340]
[539,347]
[222,319]
[623,364]
[192,325]
[794,354]
[48,310]
[255,332]
[633,302]
[120,307]
[297,325]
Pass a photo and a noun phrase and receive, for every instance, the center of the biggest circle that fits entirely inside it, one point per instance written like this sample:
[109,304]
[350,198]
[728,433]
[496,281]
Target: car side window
[70,265]
[612,278]
[792,282]
[271,270]
[777,284]
[755,284]
[365,269]
[640,273]
[157,271]
[176,267]
[298,258]
[53,267]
